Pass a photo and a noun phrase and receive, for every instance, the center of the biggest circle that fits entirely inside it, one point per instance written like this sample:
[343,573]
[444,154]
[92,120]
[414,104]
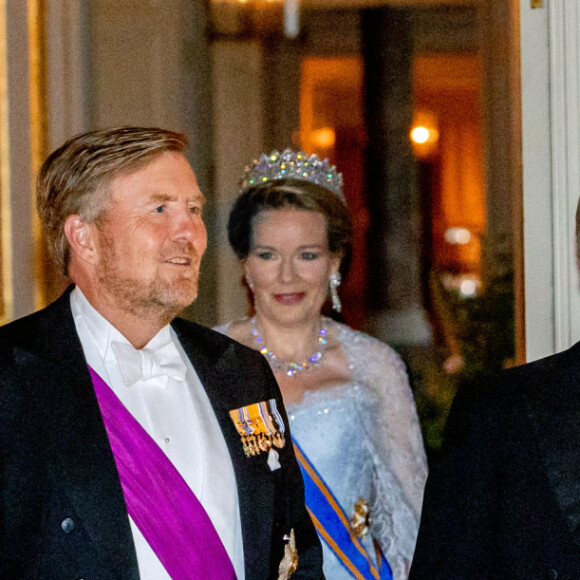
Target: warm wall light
[458,236]
[420,135]
[323,138]
[466,285]
[424,134]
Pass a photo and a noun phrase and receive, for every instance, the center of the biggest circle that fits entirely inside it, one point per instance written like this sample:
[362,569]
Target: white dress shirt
[180,419]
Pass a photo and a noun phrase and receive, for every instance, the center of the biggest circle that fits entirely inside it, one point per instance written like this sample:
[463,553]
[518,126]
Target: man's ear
[82,238]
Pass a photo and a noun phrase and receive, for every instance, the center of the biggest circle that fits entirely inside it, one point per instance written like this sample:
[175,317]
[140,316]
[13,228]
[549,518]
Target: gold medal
[289,562]
[360,520]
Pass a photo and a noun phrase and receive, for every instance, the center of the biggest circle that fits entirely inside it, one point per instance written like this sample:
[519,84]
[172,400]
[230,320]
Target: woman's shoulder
[239,330]
[223,328]
[365,347]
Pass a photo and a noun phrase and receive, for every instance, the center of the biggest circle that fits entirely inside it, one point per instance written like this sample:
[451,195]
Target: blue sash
[333,526]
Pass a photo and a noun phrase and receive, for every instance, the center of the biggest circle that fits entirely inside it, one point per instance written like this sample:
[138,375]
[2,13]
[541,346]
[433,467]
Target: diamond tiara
[292,164]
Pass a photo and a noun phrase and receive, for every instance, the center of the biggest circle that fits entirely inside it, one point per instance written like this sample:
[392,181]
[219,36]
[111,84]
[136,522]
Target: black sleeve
[456,532]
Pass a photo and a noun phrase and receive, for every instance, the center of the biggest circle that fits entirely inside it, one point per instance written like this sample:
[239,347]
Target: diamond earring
[334,283]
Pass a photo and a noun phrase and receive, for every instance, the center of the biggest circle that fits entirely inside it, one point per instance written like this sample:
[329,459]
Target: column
[396,313]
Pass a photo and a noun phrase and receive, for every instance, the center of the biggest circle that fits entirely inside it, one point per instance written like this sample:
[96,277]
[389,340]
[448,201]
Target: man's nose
[186,224]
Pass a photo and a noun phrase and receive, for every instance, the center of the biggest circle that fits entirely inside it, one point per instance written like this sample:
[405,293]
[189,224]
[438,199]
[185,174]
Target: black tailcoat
[56,462]
[504,501]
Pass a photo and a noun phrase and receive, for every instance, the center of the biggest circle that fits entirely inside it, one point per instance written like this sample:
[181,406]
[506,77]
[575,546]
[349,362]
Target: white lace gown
[364,440]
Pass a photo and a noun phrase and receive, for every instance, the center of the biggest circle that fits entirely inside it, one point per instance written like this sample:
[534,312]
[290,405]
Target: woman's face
[289,265]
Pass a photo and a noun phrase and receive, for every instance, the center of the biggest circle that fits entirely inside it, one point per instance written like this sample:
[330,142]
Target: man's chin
[160,299]
[176,298]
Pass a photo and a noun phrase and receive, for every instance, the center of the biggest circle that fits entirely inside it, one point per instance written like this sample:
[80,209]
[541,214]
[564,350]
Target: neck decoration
[290,368]
[292,164]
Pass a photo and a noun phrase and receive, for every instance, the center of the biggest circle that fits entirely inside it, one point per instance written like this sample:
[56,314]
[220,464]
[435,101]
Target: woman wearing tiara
[352,415]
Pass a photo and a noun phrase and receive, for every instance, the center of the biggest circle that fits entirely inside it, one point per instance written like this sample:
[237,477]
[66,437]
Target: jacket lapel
[223,378]
[554,407]
[54,364]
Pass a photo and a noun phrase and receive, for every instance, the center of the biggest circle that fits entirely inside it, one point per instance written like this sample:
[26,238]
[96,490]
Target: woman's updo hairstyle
[294,194]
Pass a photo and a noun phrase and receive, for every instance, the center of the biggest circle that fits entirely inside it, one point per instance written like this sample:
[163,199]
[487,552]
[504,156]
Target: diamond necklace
[290,368]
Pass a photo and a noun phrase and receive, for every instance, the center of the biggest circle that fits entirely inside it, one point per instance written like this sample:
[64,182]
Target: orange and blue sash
[333,526]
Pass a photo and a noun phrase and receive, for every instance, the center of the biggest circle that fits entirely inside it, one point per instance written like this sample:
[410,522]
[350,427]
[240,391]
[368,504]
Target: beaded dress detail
[364,439]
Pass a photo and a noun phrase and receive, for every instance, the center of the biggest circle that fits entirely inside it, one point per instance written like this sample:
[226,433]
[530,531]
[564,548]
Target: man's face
[152,239]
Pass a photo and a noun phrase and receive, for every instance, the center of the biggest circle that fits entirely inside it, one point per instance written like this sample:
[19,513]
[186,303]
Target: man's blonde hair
[75,178]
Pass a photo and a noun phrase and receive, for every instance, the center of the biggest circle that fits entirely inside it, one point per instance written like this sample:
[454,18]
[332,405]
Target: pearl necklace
[290,368]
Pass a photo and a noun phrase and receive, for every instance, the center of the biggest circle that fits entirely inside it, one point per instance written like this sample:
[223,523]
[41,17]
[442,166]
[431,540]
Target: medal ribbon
[260,426]
[333,526]
[167,512]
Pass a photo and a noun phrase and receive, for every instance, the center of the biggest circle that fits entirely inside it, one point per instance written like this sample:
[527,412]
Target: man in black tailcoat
[124,444]
[504,501]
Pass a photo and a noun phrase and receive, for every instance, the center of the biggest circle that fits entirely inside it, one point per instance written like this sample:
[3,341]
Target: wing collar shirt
[176,413]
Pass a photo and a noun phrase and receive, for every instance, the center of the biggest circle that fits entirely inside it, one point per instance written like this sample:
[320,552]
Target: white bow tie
[146,363]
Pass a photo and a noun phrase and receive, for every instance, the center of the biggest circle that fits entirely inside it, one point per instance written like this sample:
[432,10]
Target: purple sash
[170,517]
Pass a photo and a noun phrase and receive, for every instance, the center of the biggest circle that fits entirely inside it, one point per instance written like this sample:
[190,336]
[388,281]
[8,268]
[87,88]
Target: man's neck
[138,326]
[138,330]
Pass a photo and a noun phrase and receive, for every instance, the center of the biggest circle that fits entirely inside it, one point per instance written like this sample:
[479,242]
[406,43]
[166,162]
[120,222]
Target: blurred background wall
[454,122]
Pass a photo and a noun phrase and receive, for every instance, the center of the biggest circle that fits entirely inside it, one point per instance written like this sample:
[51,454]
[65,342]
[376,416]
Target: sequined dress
[364,440]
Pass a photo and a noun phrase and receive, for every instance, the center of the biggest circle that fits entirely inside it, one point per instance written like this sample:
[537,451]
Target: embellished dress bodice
[363,439]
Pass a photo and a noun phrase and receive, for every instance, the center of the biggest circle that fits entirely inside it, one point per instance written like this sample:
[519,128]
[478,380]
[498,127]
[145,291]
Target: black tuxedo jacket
[504,501]
[62,512]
